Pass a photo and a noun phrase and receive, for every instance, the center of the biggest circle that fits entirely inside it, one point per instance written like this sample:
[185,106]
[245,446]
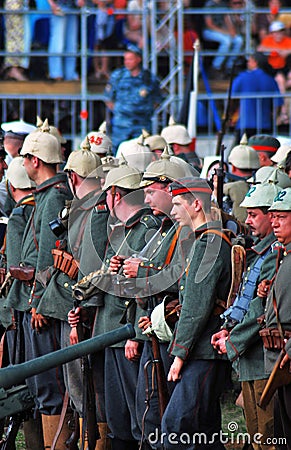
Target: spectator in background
[133,24]
[219,28]
[105,37]
[278,47]
[256,113]
[63,38]
[262,21]
[17,40]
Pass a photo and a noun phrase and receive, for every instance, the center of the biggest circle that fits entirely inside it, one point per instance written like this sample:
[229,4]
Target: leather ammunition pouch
[65,262]
[272,339]
[22,273]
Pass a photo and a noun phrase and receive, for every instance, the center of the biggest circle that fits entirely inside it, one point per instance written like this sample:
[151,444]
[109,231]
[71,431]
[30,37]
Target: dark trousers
[47,387]
[148,414]
[120,387]
[282,423]
[194,407]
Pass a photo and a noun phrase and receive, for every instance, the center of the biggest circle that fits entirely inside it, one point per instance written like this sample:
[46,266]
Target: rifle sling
[62,420]
[172,246]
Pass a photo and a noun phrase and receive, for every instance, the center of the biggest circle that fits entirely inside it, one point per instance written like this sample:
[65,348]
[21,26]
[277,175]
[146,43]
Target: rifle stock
[163,394]
[278,377]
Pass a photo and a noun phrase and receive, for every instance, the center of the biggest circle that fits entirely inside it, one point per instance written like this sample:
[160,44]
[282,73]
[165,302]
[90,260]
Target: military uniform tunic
[120,375]
[134,98]
[194,404]
[38,240]
[281,292]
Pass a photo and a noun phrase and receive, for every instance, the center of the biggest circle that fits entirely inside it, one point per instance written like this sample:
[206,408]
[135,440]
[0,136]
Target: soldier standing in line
[41,153]
[131,94]
[131,226]
[20,189]
[266,146]
[278,313]
[82,171]
[156,271]
[239,338]
[198,371]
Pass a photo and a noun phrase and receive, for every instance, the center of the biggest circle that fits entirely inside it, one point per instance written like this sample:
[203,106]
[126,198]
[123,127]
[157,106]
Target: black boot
[118,444]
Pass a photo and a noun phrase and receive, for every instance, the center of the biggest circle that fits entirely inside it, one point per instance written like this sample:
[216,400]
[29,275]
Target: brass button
[66,285]
[142,264]
[159,267]
[151,265]
[181,288]
[164,234]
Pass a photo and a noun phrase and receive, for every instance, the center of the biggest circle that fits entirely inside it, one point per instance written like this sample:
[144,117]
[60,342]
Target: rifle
[278,377]
[159,371]
[89,423]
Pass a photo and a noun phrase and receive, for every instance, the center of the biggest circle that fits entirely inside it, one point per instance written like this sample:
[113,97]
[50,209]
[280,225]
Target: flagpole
[192,117]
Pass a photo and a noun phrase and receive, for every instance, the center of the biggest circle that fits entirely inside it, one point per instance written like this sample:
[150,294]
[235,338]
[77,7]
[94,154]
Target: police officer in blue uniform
[131,94]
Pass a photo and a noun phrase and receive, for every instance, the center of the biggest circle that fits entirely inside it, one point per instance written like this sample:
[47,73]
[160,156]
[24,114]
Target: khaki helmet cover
[42,144]
[124,176]
[84,162]
[176,133]
[243,156]
[17,175]
[163,170]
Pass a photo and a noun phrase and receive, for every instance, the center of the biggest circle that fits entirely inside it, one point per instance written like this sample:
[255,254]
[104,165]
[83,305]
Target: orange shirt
[275,60]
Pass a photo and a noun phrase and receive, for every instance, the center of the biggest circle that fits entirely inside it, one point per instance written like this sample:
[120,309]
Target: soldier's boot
[118,444]
[50,426]
[104,443]
[32,429]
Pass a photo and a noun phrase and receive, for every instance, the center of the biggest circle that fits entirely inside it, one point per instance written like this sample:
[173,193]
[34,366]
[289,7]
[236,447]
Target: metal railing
[76,114]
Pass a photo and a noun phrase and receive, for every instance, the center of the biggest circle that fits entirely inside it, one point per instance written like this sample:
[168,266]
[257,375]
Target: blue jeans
[226,43]
[63,38]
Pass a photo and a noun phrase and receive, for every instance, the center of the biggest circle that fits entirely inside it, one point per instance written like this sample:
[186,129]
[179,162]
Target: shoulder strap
[172,246]
[218,233]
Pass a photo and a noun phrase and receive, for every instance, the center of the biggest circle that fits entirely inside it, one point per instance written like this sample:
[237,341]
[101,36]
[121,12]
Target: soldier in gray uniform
[131,94]
[133,225]
[278,312]
[57,301]
[239,337]
[198,372]
[156,271]
[41,153]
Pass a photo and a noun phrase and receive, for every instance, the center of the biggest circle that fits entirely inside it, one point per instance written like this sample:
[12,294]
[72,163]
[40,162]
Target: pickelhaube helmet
[124,176]
[17,175]
[100,142]
[83,162]
[243,156]
[136,153]
[53,130]
[176,133]
[282,201]
[261,195]
[280,177]
[261,175]
[155,142]
[162,170]
[42,144]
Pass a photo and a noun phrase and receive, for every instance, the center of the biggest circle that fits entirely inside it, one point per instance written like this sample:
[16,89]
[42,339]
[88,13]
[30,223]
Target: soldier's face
[158,198]
[281,223]
[182,211]
[259,223]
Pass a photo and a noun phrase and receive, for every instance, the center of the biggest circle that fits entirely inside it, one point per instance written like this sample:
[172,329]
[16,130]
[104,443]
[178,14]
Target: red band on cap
[264,148]
[191,189]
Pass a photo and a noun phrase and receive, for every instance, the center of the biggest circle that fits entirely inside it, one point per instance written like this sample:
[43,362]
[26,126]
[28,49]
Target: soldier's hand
[144,322]
[130,267]
[175,369]
[74,336]
[115,263]
[286,360]
[132,352]
[218,341]
[74,317]
[264,288]
[38,321]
